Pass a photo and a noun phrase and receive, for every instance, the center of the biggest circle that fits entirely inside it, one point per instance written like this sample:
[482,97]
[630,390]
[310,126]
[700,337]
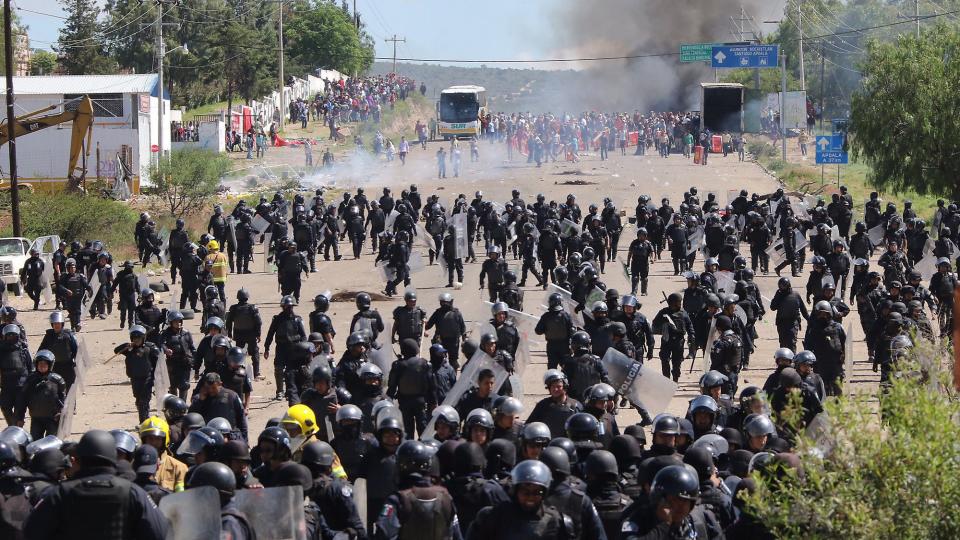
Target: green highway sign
[697,52]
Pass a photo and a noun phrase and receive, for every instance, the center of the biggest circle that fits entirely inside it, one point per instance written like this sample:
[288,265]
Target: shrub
[188,180]
[893,477]
[78,217]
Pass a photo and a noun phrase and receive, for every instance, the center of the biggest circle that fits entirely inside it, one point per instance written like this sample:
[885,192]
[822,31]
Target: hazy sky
[460,29]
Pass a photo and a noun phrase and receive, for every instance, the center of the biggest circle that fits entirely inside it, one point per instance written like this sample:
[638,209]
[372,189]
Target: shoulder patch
[387,511]
[346,491]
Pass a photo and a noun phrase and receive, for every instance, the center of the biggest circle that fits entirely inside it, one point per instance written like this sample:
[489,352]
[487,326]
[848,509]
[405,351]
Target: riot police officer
[243,325]
[333,495]
[412,386]
[789,307]
[583,369]
[43,393]
[149,316]
[290,264]
[494,269]
[557,327]
[14,366]
[826,339]
[602,476]
[61,342]
[450,328]
[556,408]
[287,328]
[525,515]
[71,288]
[408,319]
[86,505]
[141,357]
[177,344]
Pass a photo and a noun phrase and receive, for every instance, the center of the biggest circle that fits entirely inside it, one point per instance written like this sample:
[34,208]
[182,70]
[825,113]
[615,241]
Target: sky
[445,29]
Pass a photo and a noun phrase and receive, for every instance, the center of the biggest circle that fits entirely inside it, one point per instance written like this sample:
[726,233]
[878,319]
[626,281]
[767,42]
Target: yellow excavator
[82,118]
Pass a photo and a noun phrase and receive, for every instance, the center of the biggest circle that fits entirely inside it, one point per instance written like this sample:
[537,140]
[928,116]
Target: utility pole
[11,118]
[356,16]
[803,77]
[916,14]
[280,106]
[783,98]
[395,39]
[161,52]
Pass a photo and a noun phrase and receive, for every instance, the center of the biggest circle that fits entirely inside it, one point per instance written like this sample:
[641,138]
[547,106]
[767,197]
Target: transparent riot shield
[568,229]
[415,262]
[800,208]
[274,513]
[390,220]
[164,246]
[725,281]
[360,498]
[695,241]
[94,284]
[626,269]
[741,315]
[161,382]
[776,253]
[268,257]
[875,234]
[712,335]
[819,433]
[424,240]
[260,224]
[83,363]
[232,231]
[596,295]
[467,380]
[511,234]
[848,353]
[569,304]
[460,235]
[801,240]
[835,234]
[46,280]
[193,514]
[643,387]
[386,273]
[66,415]
[143,281]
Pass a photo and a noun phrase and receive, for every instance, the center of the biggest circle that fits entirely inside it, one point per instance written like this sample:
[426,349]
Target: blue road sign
[829,150]
[745,56]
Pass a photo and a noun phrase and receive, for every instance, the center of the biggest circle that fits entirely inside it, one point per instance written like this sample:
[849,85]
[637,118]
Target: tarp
[275,513]
[193,514]
[460,235]
[643,387]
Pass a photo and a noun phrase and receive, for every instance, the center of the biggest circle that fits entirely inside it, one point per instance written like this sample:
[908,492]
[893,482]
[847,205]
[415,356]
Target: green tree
[188,180]
[43,63]
[18,28]
[904,115]
[80,46]
[889,478]
[322,35]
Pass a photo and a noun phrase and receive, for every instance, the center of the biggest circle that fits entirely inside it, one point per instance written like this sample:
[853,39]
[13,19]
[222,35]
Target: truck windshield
[10,246]
[458,108]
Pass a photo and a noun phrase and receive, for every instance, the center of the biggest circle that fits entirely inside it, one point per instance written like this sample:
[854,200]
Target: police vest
[243,318]
[425,513]
[413,378]
[556,326]
[408,322]
[96,507]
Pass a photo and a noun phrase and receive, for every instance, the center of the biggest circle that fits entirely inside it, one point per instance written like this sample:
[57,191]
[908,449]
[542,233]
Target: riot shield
[712,335]
[193,514]
[800,208]
[415,262]
[390,220]
[232,231]
[47,279]
[819,433]
[848,353]
[568,229]
[66,415]
[360,498]
[387,273]
[83,363]
[596,295]
[268,257]
[88,298]
[424,240]
[776,253]
[725,282]
[274,513]
[835,234]
[568,303]
[164,246]
[695,241]
[260,224]
[740,314]
[467,380]
[143,281]
[643,387]
[511,234]
[161,382]
[875,234]
[460,235]
[801,241]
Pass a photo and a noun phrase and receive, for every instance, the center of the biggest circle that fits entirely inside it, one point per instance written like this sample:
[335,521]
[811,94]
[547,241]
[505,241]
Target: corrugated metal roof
[85,84]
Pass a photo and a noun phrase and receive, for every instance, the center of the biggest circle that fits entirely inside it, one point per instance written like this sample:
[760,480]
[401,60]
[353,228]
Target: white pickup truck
[14,252]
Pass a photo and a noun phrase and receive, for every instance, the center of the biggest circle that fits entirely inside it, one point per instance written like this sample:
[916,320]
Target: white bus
[459,111]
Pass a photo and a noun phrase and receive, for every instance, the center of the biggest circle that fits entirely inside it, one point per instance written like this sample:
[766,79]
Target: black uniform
[289,267]
[243,325]
[495,271]
[288,329]
[140,361]
[450,327]
[789,307]
[827,340]
[72,288]
[178,344]
[44,395]
[33,278]
[676,329]
[639,254]
[408,323]
[64,348]
[411,384]
[557,328]
[508,521]
[14,362]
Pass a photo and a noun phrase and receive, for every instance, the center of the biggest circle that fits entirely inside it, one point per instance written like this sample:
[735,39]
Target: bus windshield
[459,108]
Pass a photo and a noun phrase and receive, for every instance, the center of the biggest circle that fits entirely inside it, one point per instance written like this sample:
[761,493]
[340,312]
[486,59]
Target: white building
[125,122]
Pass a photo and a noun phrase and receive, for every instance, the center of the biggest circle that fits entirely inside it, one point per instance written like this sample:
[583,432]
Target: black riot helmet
[676,480]
[413,457]
[601,465]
